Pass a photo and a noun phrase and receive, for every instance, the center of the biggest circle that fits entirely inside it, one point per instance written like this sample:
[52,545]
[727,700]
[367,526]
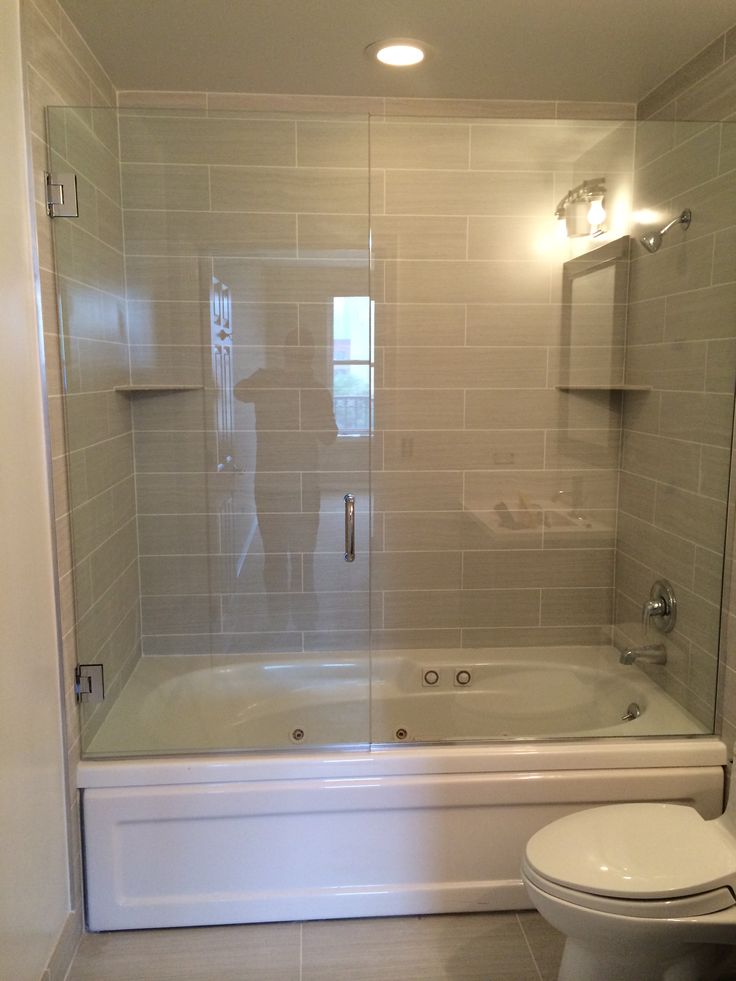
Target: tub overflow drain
[401,733]
[297,735]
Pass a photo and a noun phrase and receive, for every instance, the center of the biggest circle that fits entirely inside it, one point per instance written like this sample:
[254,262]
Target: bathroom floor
[470,947]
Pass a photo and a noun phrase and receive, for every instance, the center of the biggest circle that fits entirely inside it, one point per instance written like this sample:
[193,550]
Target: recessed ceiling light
[398,52]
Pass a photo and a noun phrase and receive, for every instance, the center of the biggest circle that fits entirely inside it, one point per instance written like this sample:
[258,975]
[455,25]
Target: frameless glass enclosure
[528,409]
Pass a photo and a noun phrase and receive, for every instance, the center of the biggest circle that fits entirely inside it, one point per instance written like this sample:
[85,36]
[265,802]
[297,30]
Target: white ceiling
[600,50]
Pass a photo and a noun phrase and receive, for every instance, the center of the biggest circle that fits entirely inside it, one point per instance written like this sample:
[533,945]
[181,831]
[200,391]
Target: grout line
[529,948]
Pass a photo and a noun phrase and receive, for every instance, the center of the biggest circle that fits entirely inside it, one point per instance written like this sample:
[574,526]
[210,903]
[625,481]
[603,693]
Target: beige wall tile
[171,187]
[168,278]
[332,142]
[427,531]
[580,365]
[108,463]
[399,639]
[184,574]
[209,233]
[533,568]
[691,516]
[545,147]
[723,256]
[539,489]
[686,76]
[418,409]
[564,607]
[714,471]
[675,366]
[515,324]
[452,368]
[163,493]
[660,458]
[461,608]
[87,154]
[687,313]
[536,409]
[719,366]
[501,108]
[180,614]
[290,189]
[262,101]
[296,611]
[636,496]
[671,556]
[713,97]
[167,100]
[546,636]
[51,60]
[418,324]
[462,450]
[581,448]
[693,162]
[86,59]
[333,236]
[684,266]
[426,144]
[471,193]
[202,139]
[420,237]
[289,281]
[181,534]
[698,417]
[596,110]
[473,281]
[426,491]
[152,365]
[214,644]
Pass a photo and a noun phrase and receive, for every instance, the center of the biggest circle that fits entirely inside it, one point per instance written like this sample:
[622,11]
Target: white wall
[34,886]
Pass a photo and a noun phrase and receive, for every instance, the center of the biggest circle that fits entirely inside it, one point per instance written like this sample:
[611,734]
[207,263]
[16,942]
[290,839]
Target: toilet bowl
[642,892]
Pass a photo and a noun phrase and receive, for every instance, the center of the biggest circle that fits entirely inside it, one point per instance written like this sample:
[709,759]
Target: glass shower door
[217,353]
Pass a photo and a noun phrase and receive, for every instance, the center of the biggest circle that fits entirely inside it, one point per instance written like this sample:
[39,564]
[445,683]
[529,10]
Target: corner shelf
[604,388]
[153,389]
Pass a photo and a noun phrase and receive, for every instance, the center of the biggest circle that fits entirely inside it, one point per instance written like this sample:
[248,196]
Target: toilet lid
[641,851]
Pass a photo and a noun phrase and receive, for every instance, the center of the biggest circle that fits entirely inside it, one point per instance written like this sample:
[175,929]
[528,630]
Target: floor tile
[546,943]
[261,952]
[473,947]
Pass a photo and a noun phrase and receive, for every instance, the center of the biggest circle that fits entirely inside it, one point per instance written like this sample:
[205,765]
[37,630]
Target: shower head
[653,240]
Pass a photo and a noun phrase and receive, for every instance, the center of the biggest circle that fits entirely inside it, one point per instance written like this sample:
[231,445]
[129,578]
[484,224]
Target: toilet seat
[638,853]
[700,904]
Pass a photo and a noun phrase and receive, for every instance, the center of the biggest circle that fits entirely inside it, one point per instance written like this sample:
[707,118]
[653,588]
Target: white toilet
[643,892]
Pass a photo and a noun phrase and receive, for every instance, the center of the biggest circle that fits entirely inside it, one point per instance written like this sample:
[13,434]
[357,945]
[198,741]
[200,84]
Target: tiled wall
[499,530]
[92,476]
[475,476]
[682,341]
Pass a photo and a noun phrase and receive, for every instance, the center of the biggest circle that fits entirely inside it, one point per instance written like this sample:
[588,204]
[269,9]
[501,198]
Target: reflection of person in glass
[285,541]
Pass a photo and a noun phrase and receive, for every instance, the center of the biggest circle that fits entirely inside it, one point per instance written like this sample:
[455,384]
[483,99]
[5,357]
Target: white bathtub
[174,703]
[259,836]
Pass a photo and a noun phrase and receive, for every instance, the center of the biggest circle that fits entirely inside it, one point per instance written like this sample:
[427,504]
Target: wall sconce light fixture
[582,211]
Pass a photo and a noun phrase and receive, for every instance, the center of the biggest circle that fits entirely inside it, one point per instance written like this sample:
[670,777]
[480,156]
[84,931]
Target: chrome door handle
[349,528]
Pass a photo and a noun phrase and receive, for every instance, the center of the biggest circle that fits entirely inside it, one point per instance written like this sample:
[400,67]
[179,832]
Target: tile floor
[471,947]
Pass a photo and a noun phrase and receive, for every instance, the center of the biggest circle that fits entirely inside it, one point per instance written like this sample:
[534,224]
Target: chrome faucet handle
[652,608]
[661,607]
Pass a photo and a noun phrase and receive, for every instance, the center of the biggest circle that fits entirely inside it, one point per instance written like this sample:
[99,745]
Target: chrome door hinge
[89,683]
[61,195]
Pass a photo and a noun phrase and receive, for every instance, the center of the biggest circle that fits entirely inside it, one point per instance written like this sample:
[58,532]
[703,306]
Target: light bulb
[596,213]
[400,55]
[561,230]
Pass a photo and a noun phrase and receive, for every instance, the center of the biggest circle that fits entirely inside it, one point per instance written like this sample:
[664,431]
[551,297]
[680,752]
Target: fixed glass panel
[555,402]
[214,298]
